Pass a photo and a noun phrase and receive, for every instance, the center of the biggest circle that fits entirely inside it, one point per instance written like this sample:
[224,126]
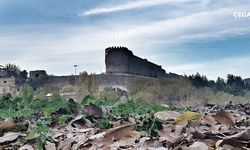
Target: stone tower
[122,60]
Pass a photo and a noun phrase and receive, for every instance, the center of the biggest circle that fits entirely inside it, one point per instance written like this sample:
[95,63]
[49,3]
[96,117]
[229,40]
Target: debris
[9,136]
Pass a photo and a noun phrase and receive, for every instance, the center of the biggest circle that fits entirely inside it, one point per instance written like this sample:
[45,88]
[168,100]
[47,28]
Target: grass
[180,92]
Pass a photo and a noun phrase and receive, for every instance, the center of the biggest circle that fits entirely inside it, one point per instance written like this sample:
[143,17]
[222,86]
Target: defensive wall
[122,60]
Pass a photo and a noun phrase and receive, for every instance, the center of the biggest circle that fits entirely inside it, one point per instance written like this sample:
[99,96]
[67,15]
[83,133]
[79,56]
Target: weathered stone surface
[122,60]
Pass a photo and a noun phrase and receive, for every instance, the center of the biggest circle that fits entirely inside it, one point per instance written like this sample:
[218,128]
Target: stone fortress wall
[40,77]
[122,60]
[122,66]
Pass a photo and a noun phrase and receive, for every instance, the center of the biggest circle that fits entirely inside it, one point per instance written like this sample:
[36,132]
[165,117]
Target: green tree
[12,70]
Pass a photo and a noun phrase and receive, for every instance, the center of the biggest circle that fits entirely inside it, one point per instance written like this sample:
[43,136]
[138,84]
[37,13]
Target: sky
[183,36]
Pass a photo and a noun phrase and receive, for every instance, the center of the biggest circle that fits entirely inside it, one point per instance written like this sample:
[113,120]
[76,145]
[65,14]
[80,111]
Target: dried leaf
[171,137]
[218,143]
[166,115]
[178,129]
[80,122]
[103,140]
[131,120]
[50,146]
[134,135]
[79,141]
[149,143]
[8,137]
[98,136]
[189,116]
[158,148]
[118,133]
[65,144]
[209,120]
[183,123]
[228,144]
[209,142]
[26,147]
[77,118]
[56,137]
[7,124]
[124,143]
[89,130]
[167,129]
[93,110]
[174,138]
[117,123]
[244,135]
[225,118]
[197,134]
[196,146]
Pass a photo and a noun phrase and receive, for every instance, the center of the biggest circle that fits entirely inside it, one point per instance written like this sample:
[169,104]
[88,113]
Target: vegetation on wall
[86,85]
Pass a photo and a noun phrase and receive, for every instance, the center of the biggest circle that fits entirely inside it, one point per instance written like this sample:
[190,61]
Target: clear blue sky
[184,36]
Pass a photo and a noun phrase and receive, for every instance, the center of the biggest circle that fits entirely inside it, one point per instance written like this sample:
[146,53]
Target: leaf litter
[211,127]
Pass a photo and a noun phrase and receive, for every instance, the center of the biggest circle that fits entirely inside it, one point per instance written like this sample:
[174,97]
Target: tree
[220,84]
[235,80]
[24,74]
[235,85]
[198,80]
[12,70]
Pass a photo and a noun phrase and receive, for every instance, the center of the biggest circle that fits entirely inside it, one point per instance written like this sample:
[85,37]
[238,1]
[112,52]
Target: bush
[41,92]
[160,90]
[108,93]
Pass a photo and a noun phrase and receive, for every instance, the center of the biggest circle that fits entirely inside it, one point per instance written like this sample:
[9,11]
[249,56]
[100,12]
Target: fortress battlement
[120,59]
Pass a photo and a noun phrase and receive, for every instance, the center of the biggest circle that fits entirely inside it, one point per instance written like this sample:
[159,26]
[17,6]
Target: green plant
[106,102]
[103,123]
[87,100]
[47,111]
[7,113]
[8,102]
[109,93]
[39,104]
[56,106]
[64,119]
[26,92]
[136,107]
[152,125]
[24,113]
[40,133]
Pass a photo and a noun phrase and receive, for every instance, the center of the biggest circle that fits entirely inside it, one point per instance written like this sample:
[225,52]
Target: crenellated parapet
[119,49]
